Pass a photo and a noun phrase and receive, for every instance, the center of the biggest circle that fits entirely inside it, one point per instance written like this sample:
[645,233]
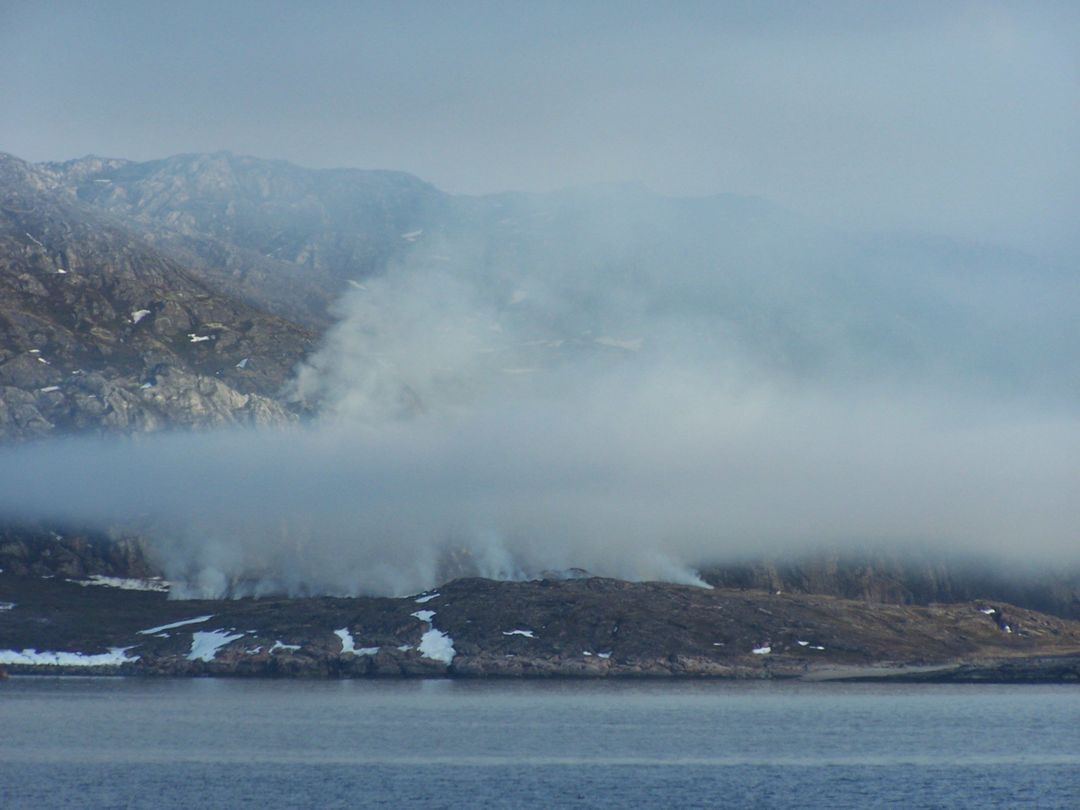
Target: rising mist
[619,382]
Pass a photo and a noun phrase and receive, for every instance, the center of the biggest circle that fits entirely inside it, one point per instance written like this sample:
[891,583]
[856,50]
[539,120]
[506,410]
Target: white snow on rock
[989,611]
[204,645]
[61,271]
[146,385]
[7,605]
[761,650]
[437,646]
[196,620]
[603,655]
[113,658]
[817,648]
[421,600]
[48,388]
[424,615]
[632,345]
[197,338]
[279,646]
[803,643]
[586,652]
[124,584]
[139,314]
[242,363]
[43,360]
[348,645]
[526,633]
[35,241]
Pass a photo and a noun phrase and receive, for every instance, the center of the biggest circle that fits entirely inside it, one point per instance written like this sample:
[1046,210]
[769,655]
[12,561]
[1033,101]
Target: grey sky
[959,118]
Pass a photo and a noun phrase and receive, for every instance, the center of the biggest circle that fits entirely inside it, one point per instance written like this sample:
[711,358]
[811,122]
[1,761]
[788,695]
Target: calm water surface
[105,742]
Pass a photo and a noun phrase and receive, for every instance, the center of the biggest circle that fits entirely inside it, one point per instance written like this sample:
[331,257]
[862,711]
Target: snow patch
[198,338]
[196,620]
[124,584]
[6,605]
[526,633]
[761,650]
[437,646]
[803,643]
[35,241]
[421,600]
[139,314]
[48,388]
[603,655]
[242,363]
[279,646]
[347,644]
[424,615]
[989,611]
[204,645]
[113,658]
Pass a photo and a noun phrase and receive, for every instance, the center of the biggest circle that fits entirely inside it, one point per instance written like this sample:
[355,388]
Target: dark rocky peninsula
[589,627]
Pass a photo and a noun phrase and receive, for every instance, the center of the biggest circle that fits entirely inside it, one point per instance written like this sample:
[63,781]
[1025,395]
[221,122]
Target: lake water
[122,742]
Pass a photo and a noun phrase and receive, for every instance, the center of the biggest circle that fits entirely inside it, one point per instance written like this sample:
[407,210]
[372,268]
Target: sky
[955,118]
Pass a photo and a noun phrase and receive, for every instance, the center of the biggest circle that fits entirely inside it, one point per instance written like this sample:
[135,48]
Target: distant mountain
[100,331]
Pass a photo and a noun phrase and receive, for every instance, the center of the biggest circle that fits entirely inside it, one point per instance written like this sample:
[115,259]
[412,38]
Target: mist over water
[591,393]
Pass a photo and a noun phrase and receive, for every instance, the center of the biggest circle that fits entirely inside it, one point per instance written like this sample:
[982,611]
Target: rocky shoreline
[584,628]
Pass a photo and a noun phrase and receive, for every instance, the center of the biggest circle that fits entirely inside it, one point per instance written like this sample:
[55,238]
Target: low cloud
[471,424]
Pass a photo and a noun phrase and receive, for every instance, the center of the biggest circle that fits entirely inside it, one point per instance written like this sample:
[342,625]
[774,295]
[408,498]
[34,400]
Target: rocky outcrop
[570,628]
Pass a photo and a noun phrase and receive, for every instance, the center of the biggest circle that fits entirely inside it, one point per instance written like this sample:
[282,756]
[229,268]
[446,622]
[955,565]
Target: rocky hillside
[283,238]
[99,331]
